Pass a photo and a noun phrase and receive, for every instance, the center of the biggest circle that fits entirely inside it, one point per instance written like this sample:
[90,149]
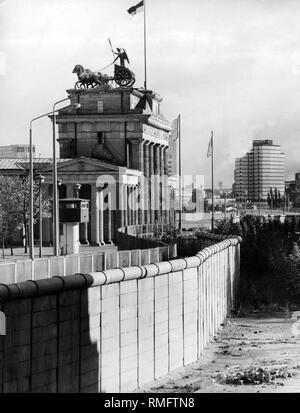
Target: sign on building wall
[2,324]
[157,133]
[100,106]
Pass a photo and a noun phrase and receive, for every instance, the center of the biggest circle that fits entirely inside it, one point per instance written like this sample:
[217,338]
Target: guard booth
[72,212]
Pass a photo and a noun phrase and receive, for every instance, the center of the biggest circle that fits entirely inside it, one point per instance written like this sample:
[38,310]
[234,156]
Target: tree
[272,198]
[15,204]
[270,259]
[24,204]
[280,203]
[269,200]
[9,209]
[275,198]
[293,226]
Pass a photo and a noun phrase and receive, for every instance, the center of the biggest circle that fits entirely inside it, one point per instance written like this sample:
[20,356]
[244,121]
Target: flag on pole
[175,129]
[138,8]
[210,147]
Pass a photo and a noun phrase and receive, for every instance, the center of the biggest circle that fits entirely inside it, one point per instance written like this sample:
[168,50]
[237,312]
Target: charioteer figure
[123,76]
[122,55]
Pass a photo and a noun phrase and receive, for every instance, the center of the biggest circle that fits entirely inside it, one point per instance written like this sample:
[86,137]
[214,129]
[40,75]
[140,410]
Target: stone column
[131,206]
[162,173]
[125,206]
[166,194]
[133,155]
[94,215]
[101,217]
[157,182]
[136,160]
[151,186]
[146,183]
[69,191]
[137,211]
[128,206]
[109,216]
[140,189]
[85,233]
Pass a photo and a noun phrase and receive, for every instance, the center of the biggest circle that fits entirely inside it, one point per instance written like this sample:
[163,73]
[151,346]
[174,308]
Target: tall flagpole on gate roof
[132,11]
[212,183]
[145,45]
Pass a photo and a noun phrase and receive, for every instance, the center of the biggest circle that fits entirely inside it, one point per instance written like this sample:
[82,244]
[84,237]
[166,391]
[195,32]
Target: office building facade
[15,151]
[258,171]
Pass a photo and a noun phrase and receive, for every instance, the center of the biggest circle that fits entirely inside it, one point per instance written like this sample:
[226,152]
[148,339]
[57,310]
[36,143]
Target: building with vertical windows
[15,151]
[259,170]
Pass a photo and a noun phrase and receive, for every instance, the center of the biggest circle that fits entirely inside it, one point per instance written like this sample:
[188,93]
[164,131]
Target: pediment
[86,165]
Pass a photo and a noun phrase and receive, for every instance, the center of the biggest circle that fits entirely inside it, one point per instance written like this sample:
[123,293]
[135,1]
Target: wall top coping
[59,284]
[216,237]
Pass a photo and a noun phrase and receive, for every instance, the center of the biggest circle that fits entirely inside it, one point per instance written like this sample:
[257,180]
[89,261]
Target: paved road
[261,340]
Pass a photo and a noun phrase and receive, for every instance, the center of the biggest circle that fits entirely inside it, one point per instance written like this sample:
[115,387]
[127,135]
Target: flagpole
[145,45]
[180,173]
[212,183]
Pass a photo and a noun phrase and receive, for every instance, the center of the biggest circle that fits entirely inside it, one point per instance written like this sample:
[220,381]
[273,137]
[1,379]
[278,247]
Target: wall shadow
[48,346]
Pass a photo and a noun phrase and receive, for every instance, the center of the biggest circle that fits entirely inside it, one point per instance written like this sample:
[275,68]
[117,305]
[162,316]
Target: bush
[270,259]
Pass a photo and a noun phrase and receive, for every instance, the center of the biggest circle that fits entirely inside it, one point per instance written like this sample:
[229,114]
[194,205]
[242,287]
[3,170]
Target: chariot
[123,77]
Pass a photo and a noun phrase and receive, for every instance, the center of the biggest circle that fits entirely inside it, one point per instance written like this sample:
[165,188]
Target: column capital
[94,205]
[163,146]
[135,140]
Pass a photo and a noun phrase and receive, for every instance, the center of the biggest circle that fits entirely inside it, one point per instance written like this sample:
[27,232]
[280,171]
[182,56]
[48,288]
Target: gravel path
[263,340]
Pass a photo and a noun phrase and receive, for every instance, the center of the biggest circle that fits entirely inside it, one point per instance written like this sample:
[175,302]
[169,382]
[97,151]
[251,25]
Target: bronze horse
[87,78]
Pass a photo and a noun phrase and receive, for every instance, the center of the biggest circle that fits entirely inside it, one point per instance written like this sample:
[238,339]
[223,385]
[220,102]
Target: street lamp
[31,233]
[55,190]
[40,179]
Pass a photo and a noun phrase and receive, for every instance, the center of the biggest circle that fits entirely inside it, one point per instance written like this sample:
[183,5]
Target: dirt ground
[262,340]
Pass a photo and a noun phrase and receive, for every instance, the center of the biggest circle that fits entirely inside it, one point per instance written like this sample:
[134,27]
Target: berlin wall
[115,330]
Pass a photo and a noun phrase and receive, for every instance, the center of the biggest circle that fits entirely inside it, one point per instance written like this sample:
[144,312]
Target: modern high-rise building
[15,151]
[259,170]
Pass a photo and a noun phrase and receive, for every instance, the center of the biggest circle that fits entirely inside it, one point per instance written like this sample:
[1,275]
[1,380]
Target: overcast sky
[232,66]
